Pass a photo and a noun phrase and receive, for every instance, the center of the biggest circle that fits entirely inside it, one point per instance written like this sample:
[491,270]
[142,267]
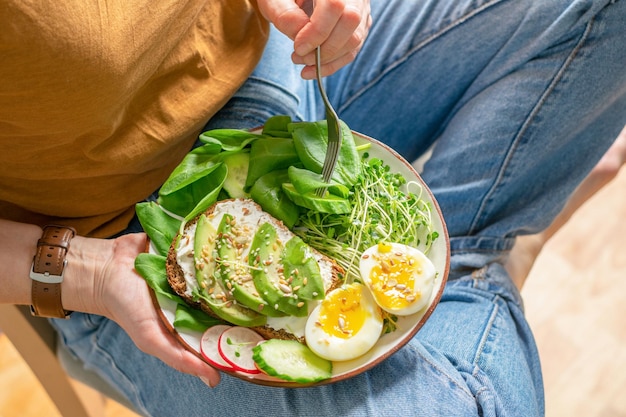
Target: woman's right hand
[339,26]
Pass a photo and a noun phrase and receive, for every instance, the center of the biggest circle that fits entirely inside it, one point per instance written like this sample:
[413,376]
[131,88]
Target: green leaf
[270,154]
[152,268]
[229,139]
[193,319]
[196,196]
[311,142]
[306,181]
[268,193]
[327,204]
[207,194]
[160,227]
[197,164]
[277,126]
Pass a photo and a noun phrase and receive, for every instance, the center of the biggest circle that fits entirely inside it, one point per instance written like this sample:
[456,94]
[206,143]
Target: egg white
[396,263]
[334,348]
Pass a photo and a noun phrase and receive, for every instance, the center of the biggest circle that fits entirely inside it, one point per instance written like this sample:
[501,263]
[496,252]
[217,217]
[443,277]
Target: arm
[99,279]
[339,26]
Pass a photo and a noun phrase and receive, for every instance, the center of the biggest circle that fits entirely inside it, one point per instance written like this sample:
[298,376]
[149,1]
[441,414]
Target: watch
[47,271]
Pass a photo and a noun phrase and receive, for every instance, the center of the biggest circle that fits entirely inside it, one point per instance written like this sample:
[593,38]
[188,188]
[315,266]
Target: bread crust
[176,278]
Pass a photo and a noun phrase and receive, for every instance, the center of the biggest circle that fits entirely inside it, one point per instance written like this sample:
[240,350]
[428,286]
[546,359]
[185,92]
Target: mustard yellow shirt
[100,100]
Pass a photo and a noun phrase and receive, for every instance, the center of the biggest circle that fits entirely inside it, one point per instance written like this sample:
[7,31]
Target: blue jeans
[518,100]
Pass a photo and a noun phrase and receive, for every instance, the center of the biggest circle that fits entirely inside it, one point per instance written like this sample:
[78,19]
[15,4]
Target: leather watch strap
[47,271]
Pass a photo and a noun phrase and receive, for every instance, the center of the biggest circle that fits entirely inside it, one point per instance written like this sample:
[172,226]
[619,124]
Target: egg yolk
[393,279]
[341,312]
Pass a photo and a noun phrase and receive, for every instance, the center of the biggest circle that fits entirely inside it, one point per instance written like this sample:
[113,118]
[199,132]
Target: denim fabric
[519,99]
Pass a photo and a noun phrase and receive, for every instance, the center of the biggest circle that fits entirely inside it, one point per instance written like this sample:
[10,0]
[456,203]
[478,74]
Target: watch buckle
[46,277]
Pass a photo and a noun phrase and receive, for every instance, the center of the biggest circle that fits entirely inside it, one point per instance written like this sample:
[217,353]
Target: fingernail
[207,382]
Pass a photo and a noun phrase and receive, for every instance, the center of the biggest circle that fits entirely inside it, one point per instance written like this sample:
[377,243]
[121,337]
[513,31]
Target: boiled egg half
[400,277]
[345,325]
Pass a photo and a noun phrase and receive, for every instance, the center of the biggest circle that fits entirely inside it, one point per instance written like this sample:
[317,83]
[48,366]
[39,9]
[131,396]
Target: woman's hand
[339,26]
[120,294]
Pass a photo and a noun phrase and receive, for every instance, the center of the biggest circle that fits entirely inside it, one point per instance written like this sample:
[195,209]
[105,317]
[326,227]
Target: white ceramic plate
[407,326]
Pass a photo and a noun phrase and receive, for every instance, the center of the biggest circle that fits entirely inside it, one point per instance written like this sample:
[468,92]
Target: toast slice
[230,260]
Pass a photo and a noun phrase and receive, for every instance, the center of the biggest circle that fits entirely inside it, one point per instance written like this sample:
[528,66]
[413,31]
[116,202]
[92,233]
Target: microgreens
[385,208]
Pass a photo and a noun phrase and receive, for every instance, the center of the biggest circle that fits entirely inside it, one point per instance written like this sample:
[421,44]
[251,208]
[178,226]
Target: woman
[520,99]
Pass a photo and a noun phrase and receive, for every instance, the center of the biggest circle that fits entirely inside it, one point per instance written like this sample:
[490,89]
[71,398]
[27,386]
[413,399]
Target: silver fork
[332,120]
[334,130]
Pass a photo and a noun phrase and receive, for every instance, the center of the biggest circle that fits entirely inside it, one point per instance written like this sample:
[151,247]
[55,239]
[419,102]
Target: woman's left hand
[338,26]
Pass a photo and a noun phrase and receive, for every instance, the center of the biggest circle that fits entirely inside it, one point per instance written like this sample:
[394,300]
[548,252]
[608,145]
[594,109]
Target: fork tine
[334,129]
[329,163]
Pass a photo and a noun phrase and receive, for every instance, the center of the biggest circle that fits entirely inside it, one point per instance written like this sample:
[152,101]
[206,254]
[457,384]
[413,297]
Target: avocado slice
[302,270]
[268,273]
[216,295]
[233,272]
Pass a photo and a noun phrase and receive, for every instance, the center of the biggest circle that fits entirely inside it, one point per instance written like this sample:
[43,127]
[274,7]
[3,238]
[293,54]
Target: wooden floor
[575,301]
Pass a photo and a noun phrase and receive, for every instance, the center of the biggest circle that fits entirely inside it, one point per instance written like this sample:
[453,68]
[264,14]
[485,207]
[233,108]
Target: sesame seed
[285,288]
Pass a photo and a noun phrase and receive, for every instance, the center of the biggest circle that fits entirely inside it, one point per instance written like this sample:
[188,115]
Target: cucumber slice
[291,361]
[235,181]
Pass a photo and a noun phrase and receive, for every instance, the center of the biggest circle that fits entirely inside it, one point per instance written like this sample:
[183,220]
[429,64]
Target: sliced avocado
[268,275]
[211,290]
[203,246]
[329,203]
[237,164]
[233,272]
[302,270]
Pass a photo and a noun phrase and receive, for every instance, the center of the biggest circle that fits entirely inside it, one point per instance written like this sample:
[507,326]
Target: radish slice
[209,347]
[236,344]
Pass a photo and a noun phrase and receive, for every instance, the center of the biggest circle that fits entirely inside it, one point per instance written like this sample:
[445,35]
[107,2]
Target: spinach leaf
[277,126]
[197,164]
[305,181]
[196,196]
[311,142]
[158,225]
[152,268]
[270,154]
[268,193]
[207,192]
[193,319]
[228,139]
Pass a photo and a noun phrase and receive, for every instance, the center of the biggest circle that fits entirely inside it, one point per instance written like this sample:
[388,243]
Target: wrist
[85,263]
[100,273]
